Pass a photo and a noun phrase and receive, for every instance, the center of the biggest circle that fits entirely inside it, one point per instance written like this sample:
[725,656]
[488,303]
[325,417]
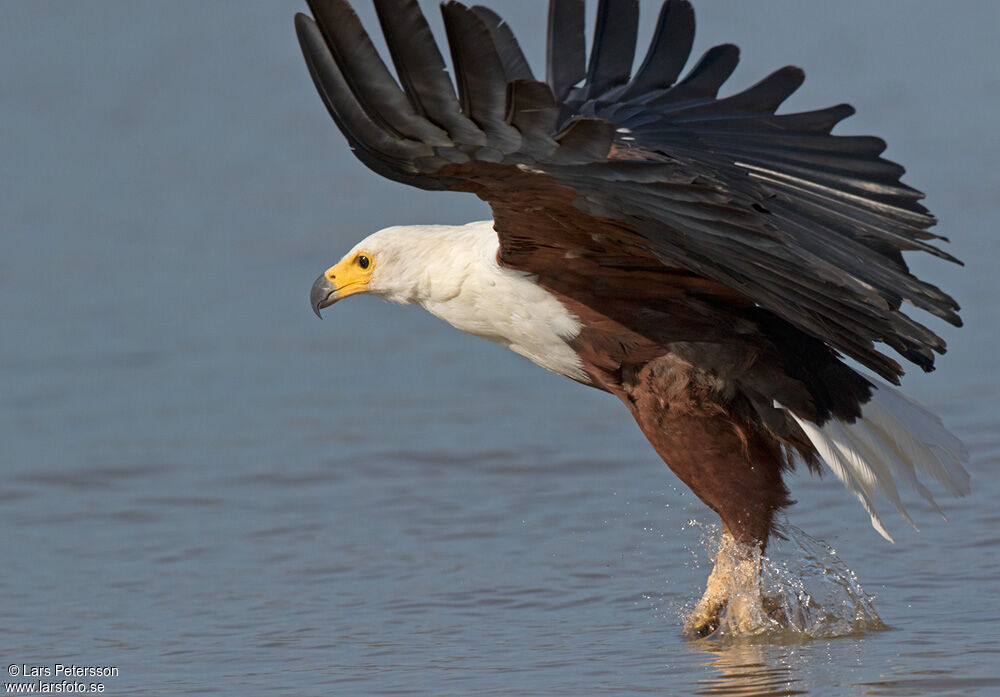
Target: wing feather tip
[894,438]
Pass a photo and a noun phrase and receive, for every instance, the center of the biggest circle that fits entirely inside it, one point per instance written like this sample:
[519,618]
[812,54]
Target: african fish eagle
[705,260]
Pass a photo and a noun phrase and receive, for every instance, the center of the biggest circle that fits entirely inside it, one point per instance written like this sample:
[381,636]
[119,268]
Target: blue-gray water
[217,494]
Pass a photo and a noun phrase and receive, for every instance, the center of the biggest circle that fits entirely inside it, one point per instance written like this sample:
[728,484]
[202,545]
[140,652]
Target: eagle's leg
[730,462]
[733,587]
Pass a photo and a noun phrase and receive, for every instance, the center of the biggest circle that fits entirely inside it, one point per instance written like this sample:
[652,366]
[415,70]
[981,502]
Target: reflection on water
[746,670]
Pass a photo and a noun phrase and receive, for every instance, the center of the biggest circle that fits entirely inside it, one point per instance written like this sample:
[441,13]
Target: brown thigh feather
[732,465]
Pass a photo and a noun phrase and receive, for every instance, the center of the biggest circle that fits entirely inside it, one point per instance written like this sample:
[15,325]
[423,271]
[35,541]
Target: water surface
[216,493]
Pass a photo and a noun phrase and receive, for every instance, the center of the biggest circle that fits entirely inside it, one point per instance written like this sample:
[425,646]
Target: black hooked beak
[323,294]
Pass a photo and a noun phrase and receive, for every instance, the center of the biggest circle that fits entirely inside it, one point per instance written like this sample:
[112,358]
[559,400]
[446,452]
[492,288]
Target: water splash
[803,592]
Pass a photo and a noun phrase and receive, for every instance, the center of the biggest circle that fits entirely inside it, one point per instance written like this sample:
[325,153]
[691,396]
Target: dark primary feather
[532,110]
[807,225]
[368,78]
[515,65]
[614,46]
[668,51]
[482,80]
[566,57]
[422,71]
[390,156]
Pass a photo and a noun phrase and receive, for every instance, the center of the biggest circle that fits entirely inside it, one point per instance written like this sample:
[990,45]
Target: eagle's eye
[363,261]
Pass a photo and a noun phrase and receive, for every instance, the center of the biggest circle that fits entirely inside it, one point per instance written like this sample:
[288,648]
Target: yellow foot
[705,618]
[702,624]
[732,594]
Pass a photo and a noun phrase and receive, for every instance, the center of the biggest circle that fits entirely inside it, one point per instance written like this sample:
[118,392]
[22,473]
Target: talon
[702,627]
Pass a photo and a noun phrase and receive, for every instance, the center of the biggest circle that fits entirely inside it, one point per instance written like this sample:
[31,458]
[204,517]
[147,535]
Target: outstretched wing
[641,169]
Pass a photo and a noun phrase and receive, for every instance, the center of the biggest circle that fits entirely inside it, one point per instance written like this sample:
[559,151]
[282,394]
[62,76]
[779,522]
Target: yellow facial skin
[351,275]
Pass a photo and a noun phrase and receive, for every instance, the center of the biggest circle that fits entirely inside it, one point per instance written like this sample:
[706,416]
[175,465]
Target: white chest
[509,308]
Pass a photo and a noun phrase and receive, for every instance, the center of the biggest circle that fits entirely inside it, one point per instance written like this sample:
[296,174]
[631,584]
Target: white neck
[452,272]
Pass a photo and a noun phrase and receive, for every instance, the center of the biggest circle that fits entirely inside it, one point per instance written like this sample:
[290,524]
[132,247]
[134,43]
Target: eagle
[708,261]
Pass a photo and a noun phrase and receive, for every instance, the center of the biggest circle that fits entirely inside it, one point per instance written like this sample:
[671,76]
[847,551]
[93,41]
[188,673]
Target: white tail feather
[894,436]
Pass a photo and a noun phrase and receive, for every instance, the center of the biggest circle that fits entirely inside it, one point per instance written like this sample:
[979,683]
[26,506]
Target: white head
[454,274]
[404,264]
